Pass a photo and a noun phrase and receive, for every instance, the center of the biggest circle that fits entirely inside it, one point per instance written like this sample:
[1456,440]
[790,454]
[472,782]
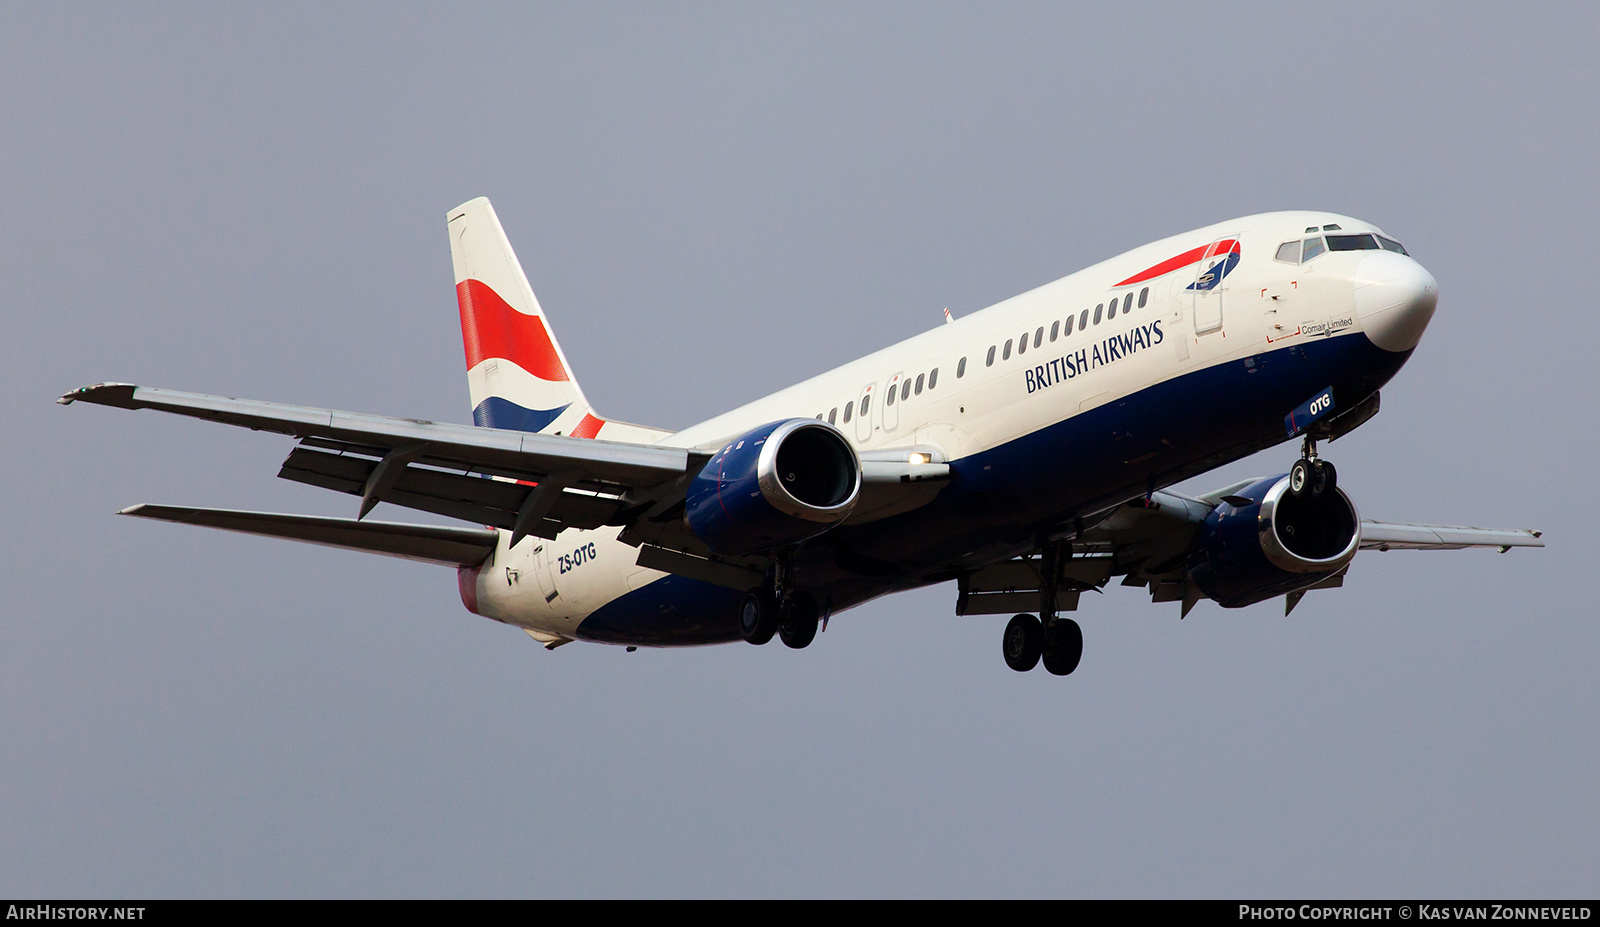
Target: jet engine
[1267,541]
[777,484]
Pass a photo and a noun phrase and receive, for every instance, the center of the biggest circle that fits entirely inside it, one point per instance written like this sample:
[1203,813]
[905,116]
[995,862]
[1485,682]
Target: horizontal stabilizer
[1377,535]
[428,543]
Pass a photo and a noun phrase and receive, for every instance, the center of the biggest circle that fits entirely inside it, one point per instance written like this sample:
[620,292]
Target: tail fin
[516,372]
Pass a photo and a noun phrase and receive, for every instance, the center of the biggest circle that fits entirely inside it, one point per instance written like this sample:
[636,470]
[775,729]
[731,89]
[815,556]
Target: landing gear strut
[1059,641]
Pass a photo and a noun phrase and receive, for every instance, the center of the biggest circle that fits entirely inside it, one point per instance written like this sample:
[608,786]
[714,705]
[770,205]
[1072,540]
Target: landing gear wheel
[1023,641]
[758,616]
[1324,479]
[797,626]
[1319,479]
[1063,647]
[1300,477]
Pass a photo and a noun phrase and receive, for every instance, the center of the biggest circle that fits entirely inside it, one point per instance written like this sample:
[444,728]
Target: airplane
[1025,451]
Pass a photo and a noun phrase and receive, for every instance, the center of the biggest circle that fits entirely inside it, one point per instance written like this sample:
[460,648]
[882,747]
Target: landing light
[918,459]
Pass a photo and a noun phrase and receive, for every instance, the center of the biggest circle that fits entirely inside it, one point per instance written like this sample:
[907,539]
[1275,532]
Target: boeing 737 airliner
[1022,451]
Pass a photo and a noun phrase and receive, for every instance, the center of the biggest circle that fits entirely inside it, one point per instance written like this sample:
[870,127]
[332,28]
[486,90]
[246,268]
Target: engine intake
[1279,543]
[778,484]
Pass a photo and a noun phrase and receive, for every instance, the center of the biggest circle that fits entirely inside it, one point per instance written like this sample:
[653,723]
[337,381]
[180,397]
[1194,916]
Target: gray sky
[714,202]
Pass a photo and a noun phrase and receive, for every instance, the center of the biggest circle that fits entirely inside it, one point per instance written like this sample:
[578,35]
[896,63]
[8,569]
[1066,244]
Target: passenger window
[905,389]
[889,399]
[1083,320]
[1022,344]
[865,401]
[1038,337]
[961,368]
[1055,329]
[1144,294]
[990,361]
[1097,311]
[847,407]
[933,378]
[831,413]
[1288,252]
[1006,354]
[1111,310]
[919,385]
[1389,244]
[1070,320]
[1312,249]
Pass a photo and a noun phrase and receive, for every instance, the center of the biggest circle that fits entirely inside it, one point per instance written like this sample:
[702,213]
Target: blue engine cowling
[778,484]
[1279,543]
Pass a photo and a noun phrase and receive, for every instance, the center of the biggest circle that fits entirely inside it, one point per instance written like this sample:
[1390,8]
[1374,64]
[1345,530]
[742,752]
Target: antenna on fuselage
[948,318]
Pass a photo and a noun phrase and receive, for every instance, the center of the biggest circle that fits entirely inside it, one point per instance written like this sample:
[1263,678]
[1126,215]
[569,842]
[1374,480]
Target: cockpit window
[1389,244]
[1352,243]
[1331,228]
[1313,248]
[1289,252]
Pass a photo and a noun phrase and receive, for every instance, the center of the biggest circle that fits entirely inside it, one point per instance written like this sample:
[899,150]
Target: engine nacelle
[1279,543]
[778,484]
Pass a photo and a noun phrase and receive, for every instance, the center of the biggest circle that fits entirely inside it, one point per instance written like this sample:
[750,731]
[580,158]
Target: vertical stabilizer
[516,372]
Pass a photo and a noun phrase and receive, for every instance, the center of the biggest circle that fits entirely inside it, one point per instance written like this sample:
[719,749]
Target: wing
[1379,535]
[1147,542]
[526,483]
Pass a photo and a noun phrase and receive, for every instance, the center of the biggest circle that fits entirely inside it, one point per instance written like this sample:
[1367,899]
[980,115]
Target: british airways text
[1114,348]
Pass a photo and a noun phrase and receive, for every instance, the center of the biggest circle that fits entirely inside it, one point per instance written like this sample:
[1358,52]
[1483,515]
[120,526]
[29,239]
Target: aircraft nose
[1395,298]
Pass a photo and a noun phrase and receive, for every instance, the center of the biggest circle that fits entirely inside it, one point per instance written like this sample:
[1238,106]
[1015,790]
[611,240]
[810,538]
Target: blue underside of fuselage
[672,611]
[1000,501]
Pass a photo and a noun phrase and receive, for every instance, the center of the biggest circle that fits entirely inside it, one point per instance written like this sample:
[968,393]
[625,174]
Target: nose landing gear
[1311,474]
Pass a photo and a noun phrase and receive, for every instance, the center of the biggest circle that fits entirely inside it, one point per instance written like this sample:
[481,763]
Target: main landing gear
[1311,475]
[1057,641]
[1027,641]
[779,608]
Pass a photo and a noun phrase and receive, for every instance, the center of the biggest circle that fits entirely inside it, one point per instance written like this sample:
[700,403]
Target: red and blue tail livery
[516,374]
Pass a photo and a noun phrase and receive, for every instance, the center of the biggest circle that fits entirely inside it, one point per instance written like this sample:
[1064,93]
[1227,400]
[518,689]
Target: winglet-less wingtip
[105,394]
